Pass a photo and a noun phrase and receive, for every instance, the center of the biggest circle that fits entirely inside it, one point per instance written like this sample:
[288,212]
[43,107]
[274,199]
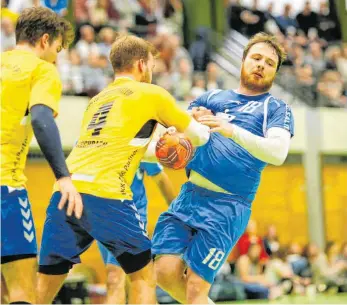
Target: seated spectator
[307,18]
[316,59]
[199,86]
[250,271]
[331,92]
[341,63]
[298,262]
[332,54]
[328,23]
[305,83]
[251,237]
[126,9]
[86,44]
[8,36]
[182,80]
[213,77]
[286,20]
[254,19]
[99,15]
[106,38]
[234,16]
[271,242]
[81,11]
[7,12]
[146,20]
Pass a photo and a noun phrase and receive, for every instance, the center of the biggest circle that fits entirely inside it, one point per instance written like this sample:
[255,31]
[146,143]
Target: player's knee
[167,273]
[115,277]
[196,287]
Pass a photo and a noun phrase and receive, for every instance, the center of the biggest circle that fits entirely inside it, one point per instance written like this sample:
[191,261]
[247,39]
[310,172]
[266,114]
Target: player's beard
[257,85]
[146,77]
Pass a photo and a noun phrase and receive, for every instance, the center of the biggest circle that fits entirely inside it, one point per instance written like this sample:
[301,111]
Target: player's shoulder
[152,89]
[276,103]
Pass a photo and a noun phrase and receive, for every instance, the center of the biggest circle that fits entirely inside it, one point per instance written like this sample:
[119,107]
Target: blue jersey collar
[251,97]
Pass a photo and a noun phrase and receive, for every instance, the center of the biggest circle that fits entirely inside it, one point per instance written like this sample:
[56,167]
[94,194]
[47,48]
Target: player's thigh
[63,239]
[20,279]
[107,256]
[211,246]
[171,235]
[146,274]
[117,226]
[18,237]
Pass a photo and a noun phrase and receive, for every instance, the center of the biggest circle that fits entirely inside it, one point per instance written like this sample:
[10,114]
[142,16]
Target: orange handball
[174,150]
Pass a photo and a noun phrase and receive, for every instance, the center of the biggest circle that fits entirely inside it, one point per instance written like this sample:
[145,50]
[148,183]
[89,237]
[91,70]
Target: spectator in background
[315,59]
[343,253]
[58,6]
[331,92]
[93,75]
[306,83]
[99,16]
[182,80]
[307,18]
[86,44]
[271,242]
[81,12]
[8,36]
[17,6]
[127,10]
[173,16]
[251,237]
[146,20]
[341,63]
[106,38]
[200,50]
[199,86]
[250,271]
[298,262]
[328,23]
[254,19]
[71,73]
[213,78]
[234,16]
[286,20]
[7,13]
[332,54]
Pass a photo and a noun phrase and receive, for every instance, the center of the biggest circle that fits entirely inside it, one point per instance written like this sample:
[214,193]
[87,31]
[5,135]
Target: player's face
[51,50]
[148,70]
[259,68]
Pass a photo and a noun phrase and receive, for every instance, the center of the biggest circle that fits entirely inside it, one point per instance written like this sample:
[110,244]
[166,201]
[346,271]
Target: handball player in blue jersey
[249,129]
[116,277]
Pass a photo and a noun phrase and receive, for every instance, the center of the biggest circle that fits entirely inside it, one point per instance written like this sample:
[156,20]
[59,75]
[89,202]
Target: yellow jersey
[26,80]
[117,127]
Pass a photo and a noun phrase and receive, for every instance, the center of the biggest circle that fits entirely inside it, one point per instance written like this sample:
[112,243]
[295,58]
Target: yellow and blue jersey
[26,80]
[117,127]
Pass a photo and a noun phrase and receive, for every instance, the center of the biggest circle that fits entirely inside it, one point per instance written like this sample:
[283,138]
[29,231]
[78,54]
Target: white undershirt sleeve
[272,149]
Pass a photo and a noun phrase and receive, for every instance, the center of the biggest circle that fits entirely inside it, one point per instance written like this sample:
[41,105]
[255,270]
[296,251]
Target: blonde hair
[127,49]
[270,40]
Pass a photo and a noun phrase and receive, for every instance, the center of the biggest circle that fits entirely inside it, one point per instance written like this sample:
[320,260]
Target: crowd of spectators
[316,65]
[261,267]
[315,69]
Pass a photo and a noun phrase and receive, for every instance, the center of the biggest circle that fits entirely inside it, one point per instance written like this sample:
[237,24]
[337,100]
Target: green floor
[340,298]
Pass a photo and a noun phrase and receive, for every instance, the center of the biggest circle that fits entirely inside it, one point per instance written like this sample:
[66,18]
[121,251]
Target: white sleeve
[272,149]
[149,155]
[197,133]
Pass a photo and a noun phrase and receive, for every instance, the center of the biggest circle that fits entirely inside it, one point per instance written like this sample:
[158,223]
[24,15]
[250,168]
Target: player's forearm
[165,186]
[273,149]
[48,138]
[197,133]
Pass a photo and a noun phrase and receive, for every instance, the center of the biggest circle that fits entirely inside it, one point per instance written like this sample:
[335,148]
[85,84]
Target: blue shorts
[18,235]
[203,226]
[107,256]
[114,223]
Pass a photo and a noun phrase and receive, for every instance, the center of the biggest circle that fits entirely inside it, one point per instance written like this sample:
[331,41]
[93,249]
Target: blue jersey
[224,162]
[138,188]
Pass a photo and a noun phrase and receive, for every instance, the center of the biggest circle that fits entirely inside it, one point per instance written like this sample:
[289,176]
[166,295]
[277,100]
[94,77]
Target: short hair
[127,49]
[270,40]
[34,22]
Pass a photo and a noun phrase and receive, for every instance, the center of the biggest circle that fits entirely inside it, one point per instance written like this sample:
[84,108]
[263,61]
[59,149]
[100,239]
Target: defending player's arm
[169,114]
[43,106]
[273,148]
[156,172]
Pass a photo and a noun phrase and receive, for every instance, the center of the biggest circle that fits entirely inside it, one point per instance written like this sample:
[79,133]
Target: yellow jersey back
[26,80]
[117,127]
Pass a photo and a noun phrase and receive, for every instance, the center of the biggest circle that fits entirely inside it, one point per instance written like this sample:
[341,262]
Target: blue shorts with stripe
[203,226]
[18,235]
[114,223]
[107,256]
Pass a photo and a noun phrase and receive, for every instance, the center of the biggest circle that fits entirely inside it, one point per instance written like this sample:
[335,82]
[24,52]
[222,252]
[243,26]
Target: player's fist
[200,111]
[217,124]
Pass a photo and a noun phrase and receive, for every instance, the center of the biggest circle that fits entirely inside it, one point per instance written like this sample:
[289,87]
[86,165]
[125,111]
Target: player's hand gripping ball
[174,149]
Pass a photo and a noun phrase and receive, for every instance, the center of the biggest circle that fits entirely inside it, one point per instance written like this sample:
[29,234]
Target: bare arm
[165,186]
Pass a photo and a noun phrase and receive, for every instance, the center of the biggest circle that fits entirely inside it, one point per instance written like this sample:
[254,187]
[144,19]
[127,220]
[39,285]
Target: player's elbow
[278,160]
[198,134]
